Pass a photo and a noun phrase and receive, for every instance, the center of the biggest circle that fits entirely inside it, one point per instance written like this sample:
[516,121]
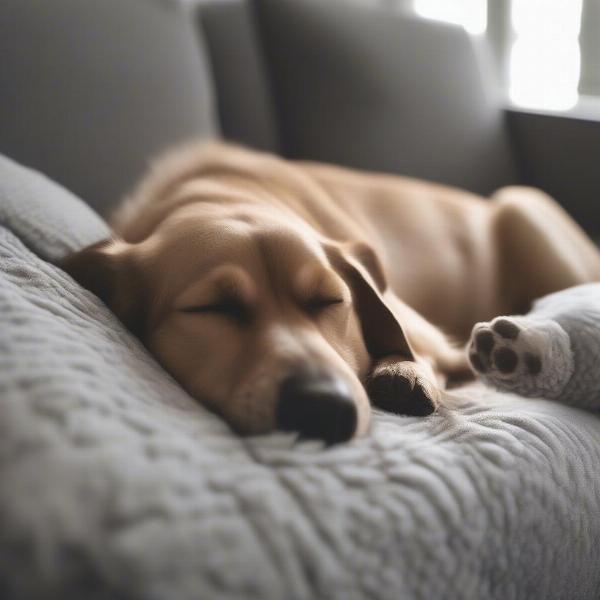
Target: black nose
[317,407]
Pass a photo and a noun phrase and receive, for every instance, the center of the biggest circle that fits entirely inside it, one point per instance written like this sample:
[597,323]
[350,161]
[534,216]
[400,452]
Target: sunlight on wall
[545,58]
[471,14]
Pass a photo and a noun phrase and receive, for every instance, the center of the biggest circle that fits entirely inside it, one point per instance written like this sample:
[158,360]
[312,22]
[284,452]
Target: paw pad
[497,348]
[506,359]
[484,342]
[506,329]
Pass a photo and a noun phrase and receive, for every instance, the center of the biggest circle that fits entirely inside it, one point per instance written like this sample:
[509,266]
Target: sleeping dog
[292,294]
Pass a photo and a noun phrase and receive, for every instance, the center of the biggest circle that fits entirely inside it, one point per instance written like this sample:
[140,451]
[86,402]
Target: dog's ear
[107,270]
[358,264]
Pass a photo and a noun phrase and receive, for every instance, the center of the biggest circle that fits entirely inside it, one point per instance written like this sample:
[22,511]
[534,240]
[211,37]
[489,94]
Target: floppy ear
[108,272]
[359,266]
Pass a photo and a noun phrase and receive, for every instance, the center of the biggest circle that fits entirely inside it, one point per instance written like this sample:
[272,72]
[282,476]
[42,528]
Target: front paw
[403,387]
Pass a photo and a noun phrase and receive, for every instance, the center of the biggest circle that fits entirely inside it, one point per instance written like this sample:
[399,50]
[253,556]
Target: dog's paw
[528,356]
[403,388]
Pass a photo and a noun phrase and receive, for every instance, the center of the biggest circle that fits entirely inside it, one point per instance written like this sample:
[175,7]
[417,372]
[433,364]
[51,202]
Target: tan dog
[275,291]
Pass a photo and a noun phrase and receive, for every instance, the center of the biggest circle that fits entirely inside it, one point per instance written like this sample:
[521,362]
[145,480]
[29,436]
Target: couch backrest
[363,84]
[90,90]
[243,93]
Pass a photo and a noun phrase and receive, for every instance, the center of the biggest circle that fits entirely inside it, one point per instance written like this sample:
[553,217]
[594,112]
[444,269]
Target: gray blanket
[116,484]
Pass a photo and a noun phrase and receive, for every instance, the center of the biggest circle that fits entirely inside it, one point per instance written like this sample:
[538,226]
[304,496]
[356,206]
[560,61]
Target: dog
[291,295]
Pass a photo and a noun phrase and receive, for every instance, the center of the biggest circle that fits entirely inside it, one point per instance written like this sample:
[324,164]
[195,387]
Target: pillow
[363,85]
[51,220]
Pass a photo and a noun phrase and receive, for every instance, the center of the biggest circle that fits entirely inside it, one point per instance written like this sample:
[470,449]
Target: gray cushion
[51,220]
[365,86]
[243,97]
[89,90]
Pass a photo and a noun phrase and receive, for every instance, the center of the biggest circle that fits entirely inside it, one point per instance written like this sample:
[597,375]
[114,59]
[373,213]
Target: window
[539,42]
[471,14]
[545,60]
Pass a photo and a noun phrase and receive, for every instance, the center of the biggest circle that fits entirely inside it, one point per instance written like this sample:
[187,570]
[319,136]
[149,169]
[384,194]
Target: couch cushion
[51,220]
[90,90]
[363,85]
[243,91]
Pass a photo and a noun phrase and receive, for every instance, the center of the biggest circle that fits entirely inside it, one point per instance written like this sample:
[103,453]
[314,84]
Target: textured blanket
[116,484]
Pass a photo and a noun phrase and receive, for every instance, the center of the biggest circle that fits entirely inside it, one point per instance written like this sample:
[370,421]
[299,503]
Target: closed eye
[226,308]
[319,304]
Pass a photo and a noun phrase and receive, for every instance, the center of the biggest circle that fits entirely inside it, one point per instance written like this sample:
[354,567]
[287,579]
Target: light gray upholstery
[367,86]
[51,220]
[90,90]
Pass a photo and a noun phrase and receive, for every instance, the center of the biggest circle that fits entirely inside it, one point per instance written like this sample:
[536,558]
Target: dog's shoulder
[169,170]
[203,160]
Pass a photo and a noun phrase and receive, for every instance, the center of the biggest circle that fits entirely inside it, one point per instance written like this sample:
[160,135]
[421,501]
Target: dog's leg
[540,247]
[403,387]
[414,387]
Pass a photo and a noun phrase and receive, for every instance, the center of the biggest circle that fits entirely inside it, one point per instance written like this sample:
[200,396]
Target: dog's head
[254,314]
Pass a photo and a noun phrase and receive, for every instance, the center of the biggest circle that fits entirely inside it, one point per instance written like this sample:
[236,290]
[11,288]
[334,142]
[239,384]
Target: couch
[114,483]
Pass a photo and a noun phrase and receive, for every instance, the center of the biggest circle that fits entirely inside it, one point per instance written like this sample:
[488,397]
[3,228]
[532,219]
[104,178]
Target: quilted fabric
[116,484]
[50,219]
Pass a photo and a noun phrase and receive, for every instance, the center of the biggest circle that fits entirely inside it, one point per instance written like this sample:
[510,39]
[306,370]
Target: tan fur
[415,264]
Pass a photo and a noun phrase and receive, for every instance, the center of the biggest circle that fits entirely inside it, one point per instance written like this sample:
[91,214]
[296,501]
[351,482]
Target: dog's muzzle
[317,406]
